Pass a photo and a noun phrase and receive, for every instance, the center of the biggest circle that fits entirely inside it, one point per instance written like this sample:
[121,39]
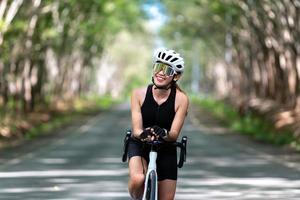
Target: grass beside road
[250,124]
[16,127]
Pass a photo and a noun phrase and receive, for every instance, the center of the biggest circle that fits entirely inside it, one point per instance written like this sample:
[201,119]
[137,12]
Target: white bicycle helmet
[171,58]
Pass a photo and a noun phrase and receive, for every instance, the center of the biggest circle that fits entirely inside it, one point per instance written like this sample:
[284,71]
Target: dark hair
[176,84]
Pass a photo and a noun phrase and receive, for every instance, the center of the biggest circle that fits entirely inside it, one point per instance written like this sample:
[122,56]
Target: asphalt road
[83,161]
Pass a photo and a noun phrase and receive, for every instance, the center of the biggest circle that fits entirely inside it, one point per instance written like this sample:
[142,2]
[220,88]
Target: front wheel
[151,190]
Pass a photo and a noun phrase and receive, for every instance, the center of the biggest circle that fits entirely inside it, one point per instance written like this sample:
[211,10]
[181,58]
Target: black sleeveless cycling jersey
[161,115]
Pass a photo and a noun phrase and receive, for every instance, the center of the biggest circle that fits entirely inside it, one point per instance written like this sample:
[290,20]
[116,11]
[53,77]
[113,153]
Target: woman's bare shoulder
[182,97]
[139,93]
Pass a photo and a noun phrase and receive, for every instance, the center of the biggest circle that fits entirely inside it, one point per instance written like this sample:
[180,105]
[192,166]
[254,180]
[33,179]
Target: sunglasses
[167,69]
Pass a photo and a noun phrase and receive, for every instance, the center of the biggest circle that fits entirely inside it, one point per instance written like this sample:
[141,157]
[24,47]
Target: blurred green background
[62,59]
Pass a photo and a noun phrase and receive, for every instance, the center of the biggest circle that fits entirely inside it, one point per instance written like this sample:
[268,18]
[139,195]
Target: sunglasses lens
[167,70]
[157,68]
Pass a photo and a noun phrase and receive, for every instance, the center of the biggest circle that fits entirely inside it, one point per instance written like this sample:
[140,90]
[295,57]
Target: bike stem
[152,159]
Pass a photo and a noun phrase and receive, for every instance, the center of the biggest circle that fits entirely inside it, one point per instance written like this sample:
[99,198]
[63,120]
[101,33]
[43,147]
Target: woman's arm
[181,106]
[136,114]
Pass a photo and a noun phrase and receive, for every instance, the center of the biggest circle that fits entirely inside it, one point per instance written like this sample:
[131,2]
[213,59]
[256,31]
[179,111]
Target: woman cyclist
[158,112]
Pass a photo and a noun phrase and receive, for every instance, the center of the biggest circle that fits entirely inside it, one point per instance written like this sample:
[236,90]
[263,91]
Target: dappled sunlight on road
[63,173]
[231,167]
[30,189]
[226,161]
[86,163]
[77,183]
[279,183]
[50,161]
[237,194]
[106,195]
[83,163]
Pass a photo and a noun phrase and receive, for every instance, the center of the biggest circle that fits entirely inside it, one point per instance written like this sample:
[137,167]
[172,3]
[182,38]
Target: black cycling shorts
[166,158]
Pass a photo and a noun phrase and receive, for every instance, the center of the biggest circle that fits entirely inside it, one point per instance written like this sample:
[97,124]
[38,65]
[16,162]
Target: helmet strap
[166,87]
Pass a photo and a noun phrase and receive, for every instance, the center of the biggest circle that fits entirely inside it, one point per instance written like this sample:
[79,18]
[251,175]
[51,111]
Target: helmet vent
[179,66]
[174,59]
[159,54]
[168,57]
[163,56]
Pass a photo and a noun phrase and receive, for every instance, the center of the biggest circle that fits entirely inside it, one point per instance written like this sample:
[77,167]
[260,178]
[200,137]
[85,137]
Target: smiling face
[162,74]
[160,79]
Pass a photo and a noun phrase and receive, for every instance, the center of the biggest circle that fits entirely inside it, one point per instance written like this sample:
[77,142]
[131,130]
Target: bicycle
[150,186]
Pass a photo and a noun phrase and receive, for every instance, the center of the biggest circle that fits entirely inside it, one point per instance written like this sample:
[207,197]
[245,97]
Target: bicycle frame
[151,169]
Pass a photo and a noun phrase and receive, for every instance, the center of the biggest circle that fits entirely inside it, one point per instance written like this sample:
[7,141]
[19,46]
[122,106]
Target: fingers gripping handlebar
[182,145]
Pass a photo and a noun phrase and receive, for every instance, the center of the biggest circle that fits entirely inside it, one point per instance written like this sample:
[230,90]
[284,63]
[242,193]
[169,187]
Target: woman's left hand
[160,132]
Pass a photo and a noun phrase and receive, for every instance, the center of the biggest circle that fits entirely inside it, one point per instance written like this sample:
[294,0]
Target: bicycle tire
[151,186]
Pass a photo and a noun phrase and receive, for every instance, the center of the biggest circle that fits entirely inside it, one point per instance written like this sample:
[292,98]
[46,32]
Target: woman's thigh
[137,165]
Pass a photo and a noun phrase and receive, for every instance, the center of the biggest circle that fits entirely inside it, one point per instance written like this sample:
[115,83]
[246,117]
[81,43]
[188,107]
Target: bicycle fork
[149,176]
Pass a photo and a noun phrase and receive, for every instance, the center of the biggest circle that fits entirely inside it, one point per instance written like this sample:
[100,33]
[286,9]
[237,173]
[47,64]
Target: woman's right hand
[146,135]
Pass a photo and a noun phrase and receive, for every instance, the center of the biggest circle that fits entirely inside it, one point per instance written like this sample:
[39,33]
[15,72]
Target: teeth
[159,78]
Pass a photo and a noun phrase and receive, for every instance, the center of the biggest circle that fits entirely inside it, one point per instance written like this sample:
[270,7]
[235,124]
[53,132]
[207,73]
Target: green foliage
[35,127]
[49,33]
[198,29]
[45,128]
[104,102]
[1,25]
[218,108]
[201,20]
[135,82]
[250,124]
[93,103]
[66,28]
[84,106]
[296,145]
